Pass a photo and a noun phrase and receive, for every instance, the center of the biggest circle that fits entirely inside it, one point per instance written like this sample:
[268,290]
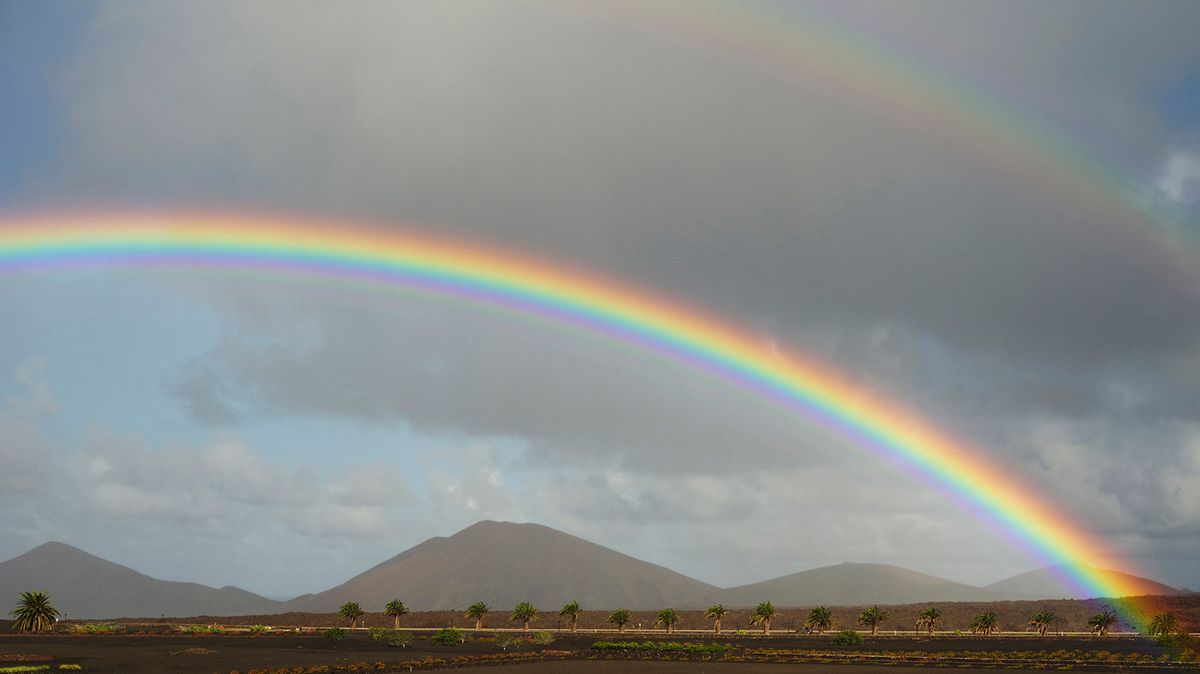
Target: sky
[283,433]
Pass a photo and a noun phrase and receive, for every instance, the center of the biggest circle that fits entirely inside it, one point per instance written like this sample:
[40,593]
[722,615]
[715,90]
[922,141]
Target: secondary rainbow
[792,43]
[462,269]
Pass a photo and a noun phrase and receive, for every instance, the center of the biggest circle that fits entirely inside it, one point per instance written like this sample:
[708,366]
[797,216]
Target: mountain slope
[86,586]
[843,585]
[1049,583]
[500,564]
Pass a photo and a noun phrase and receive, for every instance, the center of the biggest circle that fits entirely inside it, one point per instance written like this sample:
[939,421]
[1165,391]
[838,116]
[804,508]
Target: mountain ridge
[86,586]
[1048,583]
[501,563]
[848,583]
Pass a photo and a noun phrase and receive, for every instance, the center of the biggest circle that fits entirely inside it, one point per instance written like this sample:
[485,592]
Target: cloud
[1019,315]
[1179,178]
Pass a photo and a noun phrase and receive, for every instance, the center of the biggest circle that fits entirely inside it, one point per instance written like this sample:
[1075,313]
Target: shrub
[377,633]
[687,647]
[846,638]
[543,638]
[401,639]
[505,641]
[1180,640]
[94,628]
[335,633]
[448,636]
[259,629]
[201,629]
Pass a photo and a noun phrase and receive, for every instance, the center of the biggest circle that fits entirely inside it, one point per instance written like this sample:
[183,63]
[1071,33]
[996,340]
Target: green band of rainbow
[802,384]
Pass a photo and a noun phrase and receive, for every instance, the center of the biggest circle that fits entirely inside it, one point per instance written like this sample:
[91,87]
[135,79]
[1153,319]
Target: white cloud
[1179,178]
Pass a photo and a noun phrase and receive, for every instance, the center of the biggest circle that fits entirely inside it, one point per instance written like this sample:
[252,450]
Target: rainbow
[460,269]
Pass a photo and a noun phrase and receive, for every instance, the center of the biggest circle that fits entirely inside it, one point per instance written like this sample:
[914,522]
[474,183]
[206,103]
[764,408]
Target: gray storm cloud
[990,303]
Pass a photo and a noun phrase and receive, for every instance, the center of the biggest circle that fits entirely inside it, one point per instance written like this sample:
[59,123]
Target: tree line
[35,613]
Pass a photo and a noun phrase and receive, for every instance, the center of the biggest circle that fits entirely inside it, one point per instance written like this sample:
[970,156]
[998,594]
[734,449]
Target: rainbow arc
[802,384]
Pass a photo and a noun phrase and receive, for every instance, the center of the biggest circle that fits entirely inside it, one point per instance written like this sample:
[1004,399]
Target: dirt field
[226,653]
[593,667]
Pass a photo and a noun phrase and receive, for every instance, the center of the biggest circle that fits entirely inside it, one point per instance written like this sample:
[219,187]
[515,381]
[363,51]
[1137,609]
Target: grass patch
[686,647]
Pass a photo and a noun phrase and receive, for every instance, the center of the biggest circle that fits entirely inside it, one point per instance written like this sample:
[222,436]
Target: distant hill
[1048,583]
[845,584]
[86,586]
[501,564]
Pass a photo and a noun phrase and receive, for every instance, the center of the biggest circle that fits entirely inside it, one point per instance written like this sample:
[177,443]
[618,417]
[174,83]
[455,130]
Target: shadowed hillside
[1048,583]
[843,584]
[86,586]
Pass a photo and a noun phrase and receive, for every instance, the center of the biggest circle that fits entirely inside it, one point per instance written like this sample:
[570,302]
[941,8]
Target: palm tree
[395,608]
[928,619]
[819,619]
[34,612]
[524,613]
[667,617]
[477,611]
[619,617]
[1163,624]
[351,610]
[1041,621]
[985,623]
[1102,622]
[763,614]
[715,613]
[873,618]
[572,612]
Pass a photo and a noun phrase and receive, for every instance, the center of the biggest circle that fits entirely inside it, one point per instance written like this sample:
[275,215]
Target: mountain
[86,586]
[1048,583]
[845,585]
[501,564]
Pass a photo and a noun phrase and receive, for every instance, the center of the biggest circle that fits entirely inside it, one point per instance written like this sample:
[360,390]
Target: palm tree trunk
[717,627]
[478,623]
[574,624]
[766,627]
[396,622]
[526,626]
[620,628]
[670,628]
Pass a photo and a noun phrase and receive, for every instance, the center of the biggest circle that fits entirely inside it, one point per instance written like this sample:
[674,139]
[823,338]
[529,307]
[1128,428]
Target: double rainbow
[802,384]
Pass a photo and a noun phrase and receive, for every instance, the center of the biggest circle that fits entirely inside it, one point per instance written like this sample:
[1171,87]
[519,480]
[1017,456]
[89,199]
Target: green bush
[401,639]
[1181,640]
[846,638]
[259,629]
[200,629]
[543,638]
[377,633]
[335,633]
[448,636]
[506,641]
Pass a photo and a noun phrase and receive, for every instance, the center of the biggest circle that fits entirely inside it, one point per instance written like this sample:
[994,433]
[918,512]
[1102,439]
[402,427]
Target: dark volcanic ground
[183,654]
